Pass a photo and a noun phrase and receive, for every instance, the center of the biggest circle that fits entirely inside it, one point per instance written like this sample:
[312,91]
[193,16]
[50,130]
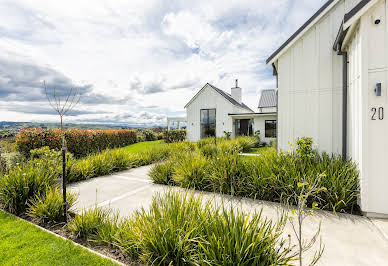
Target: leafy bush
[227,134]
[80,142]
[22,183]
[175,135]
[48,208]
[148,135]
[95,224]
[181,229]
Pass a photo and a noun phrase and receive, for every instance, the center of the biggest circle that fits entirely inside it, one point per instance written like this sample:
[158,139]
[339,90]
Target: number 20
[379,112]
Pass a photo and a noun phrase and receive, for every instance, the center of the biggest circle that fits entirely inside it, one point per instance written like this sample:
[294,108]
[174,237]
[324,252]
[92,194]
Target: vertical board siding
[375,156]
[210,99]
[310,85]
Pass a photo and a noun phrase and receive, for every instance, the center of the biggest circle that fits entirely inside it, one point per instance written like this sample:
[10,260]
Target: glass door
[208,123]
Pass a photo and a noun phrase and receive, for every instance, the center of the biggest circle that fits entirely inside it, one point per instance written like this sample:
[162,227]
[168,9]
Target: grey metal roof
[268,98]
[230,99]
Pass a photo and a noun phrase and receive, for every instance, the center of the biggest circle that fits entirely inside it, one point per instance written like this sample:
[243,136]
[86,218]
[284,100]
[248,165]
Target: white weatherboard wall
[310,85]
[208,98]
[368,130]
[259,124]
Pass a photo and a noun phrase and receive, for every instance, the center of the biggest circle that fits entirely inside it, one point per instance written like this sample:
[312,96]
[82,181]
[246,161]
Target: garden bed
[271,176]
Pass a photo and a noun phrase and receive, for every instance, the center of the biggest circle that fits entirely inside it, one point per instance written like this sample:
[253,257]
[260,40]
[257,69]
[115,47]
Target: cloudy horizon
[136,62]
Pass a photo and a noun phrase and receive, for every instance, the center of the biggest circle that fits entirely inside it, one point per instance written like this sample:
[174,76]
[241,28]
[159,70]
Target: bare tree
[63,103]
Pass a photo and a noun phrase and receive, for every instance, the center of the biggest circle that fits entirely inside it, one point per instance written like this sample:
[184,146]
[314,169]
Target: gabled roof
[268,98]
[225,95]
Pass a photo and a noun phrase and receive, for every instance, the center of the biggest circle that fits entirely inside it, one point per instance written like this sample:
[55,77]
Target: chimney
[236,93]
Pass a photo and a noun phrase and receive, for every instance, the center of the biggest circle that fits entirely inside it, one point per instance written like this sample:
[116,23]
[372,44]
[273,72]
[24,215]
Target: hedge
[175,135]
[80,142]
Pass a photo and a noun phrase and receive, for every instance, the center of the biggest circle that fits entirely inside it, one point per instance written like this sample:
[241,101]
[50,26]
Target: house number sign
[377,113]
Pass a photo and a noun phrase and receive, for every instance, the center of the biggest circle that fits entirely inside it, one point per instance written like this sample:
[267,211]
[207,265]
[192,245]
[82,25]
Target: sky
[136,62]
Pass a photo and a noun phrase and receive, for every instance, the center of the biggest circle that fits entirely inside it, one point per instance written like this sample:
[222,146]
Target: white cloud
[142,59]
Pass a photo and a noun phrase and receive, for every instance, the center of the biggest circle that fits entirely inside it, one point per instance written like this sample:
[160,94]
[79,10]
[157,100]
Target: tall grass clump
[180,228]
[274,177]
[20,185]
[226,172]
[271,176]
[234,238]
[167,233]
[48,208]
[162,173]
[192,171]
[95,224]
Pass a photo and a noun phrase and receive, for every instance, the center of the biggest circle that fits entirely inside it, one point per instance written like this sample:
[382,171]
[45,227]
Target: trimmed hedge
[80,142]
[175,135]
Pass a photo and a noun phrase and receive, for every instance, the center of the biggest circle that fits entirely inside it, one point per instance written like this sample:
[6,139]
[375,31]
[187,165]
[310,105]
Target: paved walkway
[348,239]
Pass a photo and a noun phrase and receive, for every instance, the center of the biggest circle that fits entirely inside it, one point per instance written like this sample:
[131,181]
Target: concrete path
[348,239]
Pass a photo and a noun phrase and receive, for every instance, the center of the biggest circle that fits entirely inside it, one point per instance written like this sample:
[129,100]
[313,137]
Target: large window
[208,123]
[270,128]
[244,127]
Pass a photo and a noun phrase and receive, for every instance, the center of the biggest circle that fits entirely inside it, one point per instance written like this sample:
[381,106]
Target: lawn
[24,244]
[142,146]
[261,150]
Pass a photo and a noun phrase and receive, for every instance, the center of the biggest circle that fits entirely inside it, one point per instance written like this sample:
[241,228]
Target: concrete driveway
[348,239]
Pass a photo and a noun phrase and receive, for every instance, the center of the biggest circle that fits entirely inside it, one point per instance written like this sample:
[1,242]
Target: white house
[214,112]
[332,86]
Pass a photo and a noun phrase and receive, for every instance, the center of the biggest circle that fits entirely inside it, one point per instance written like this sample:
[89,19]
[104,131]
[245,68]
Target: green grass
[142,146]
[24,244]
[261,150]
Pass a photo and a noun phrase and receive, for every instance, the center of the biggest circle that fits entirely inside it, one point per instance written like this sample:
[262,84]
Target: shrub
[270,176]
[48,207]
[233,238]
[166,234]
[209,150]
[95,224]
[80,142]
[162,173]
[227,134]
[192,171]
[22,183]
[257,136]
[180,228]
[175,135]
[225,172]
[148,135]
[246,143]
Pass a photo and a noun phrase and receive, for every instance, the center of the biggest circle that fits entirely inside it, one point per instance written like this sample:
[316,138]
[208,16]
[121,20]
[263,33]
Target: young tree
[301,212]
[63,103]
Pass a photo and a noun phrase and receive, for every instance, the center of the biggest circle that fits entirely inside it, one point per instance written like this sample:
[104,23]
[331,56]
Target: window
[270,128]
[208,123]
[244,127]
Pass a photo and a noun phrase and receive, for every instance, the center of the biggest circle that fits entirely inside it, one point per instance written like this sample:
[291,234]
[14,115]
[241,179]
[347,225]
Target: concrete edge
[64,238]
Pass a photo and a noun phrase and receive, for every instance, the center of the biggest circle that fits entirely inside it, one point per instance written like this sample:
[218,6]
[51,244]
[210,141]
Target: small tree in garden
[306,190]
[63,103]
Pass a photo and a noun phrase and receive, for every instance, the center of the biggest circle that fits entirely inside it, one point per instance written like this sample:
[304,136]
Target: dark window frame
[207,124]
[270,132]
